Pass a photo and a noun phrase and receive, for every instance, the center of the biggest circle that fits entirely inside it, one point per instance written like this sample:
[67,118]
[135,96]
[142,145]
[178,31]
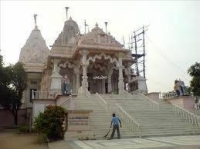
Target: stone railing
[102,101]
[153,104]
[138,92]
[88,94]
[167,95]
[130,121]
[126,92]
[192,118]
[66,103]
[43,95]
[80,90]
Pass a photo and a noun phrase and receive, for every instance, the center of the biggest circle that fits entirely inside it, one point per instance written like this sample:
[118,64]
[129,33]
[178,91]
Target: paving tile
[174,142]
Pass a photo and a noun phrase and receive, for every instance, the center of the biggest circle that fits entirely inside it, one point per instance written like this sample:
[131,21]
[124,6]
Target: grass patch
[42,138]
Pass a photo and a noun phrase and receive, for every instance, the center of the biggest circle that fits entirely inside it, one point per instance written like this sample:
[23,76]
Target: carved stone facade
[94,62]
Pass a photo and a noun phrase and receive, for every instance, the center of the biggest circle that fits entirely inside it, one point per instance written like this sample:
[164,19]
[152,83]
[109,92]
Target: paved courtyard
[9,139]
[173,142]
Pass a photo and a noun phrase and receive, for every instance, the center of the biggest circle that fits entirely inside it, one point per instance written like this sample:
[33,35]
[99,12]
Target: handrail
[189,116]
[135,92]
[67,101]
[167,95]
[130,121]
[105,104]
[42,94]
[155,105]
[69,104]
[87,93]
[126,92]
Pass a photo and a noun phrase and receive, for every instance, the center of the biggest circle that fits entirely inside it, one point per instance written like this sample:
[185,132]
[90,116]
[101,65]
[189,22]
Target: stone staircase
[100,118]
[153,122]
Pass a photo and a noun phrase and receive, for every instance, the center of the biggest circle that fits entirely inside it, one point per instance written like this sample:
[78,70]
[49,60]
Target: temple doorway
[97,84]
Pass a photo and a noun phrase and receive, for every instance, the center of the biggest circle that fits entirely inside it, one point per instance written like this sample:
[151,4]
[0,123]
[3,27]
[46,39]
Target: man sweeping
[115,122]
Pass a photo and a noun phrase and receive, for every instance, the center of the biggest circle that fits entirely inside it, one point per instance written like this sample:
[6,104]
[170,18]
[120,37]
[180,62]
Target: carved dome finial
[35,20]
[96,25]
[66,8]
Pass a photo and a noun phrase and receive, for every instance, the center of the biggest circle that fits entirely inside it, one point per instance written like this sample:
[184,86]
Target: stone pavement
[173,142]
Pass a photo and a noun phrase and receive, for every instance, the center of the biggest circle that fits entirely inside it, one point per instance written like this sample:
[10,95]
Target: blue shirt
[115,120]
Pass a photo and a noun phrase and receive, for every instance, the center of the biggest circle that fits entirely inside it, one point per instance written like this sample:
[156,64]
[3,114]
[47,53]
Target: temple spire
[35,19]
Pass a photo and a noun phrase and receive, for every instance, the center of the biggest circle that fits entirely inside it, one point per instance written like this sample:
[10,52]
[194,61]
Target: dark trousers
[113,132]
[178,92]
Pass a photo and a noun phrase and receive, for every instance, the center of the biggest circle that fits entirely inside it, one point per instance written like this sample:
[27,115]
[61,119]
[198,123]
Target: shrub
[24,129]
[50,122]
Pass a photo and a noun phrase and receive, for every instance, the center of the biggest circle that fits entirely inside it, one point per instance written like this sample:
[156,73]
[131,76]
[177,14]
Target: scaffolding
[137,46]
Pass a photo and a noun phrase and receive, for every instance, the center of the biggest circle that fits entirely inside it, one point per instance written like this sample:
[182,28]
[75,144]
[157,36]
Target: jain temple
[91,75]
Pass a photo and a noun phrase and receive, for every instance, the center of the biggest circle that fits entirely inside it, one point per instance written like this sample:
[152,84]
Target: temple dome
[70,30]
[35,49]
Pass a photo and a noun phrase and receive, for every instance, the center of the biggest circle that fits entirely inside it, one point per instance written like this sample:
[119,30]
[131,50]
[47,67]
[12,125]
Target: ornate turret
[70,30]
[35,49]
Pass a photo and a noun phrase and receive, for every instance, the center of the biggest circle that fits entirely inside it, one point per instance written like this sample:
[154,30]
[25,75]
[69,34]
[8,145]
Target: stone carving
[35,49]
[106,57]
[65,85]
[99,77]
[70,65]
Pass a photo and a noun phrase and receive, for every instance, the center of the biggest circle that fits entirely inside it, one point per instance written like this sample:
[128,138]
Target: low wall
[7,119]
[39,105]
[186,102]
[66,102]
[153,95]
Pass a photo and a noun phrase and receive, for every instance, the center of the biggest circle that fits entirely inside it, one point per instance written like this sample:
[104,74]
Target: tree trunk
[15,115]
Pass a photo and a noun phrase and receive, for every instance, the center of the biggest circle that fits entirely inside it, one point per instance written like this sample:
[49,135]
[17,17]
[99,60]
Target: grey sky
[172,41]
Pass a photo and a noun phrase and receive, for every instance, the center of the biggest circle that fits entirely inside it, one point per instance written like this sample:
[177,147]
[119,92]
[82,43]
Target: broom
[107,133]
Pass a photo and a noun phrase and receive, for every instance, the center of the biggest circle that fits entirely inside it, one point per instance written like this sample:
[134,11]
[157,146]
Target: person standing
[115,123]
[65,85]
[177,87]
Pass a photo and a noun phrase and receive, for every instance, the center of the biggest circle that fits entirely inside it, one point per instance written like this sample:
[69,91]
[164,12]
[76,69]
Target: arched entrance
[98,77]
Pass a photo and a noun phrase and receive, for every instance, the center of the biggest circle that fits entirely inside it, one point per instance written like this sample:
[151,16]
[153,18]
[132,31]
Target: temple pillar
[77,72]
[55,77]
[103,86]
[109,80]
[84,67]
[129,77]
[121,78]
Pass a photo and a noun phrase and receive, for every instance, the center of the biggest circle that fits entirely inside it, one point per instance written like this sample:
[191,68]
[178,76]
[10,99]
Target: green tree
[13,82]
[50,122]
[194,72]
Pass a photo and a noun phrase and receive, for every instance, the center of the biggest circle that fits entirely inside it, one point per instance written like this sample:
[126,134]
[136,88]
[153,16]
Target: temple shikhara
[91,75]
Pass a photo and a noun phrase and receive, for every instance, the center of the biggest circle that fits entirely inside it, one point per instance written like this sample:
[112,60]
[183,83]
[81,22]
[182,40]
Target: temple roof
[35,49]
[98,36]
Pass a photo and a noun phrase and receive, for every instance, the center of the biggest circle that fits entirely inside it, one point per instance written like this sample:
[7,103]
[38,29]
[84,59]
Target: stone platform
[173,142]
